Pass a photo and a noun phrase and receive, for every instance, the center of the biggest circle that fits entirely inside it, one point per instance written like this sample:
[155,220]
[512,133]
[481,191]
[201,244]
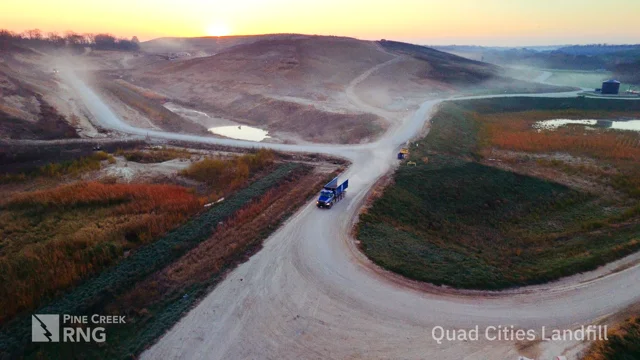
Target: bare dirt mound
[291,83]
[208,44]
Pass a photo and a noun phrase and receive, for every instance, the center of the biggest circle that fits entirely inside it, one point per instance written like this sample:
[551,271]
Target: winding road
[310,294]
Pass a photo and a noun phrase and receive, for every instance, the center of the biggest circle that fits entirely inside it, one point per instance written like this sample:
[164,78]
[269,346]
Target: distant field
[492,203]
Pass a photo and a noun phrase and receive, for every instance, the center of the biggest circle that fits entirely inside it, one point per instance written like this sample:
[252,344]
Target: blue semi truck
[332,193]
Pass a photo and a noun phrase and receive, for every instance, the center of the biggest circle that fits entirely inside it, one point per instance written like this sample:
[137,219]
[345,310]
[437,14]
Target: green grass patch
[455,221]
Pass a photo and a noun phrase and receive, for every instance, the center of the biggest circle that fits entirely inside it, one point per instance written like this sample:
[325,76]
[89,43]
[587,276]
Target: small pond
[241,132]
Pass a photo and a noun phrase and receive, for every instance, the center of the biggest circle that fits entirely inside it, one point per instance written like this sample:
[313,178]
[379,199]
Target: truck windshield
[326,193]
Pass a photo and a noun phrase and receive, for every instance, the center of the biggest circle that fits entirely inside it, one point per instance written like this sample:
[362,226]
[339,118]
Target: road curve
[310,294]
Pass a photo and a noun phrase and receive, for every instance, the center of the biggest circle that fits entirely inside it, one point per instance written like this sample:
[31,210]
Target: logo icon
[45,328]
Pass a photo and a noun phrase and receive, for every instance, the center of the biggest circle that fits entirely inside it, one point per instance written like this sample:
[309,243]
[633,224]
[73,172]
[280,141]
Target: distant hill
[621,59]
[598,49]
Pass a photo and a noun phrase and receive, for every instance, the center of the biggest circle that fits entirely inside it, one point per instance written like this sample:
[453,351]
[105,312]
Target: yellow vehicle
[403,154]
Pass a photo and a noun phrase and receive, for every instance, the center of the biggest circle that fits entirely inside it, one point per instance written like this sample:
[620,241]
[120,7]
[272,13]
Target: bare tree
[34,34]
[74,39]
[89,38]
[55,39]
[6,34]
[105,41]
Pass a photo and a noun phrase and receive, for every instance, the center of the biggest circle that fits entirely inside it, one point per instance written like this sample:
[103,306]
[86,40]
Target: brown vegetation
[227,175]
[623,343]
[77,230]
[617,151]
[154,155]
[52,239]
[514,131]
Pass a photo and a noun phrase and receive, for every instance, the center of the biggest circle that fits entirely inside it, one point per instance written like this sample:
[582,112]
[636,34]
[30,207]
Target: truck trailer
[332,193]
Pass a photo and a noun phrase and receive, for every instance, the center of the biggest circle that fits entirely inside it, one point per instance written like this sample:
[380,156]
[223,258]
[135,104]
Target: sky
[435,22]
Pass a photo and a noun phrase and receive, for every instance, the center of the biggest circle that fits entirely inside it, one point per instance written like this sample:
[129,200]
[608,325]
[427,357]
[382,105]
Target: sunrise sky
[480,22]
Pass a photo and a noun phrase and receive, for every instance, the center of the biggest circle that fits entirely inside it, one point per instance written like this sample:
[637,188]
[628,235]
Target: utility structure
[611,87]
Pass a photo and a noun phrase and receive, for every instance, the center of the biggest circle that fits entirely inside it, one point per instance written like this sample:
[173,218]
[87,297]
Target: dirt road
[310,294]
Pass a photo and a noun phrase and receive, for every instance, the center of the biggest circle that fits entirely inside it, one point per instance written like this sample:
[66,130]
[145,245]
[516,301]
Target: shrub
[154,155]
[57,237]
[623,343]
[230,174]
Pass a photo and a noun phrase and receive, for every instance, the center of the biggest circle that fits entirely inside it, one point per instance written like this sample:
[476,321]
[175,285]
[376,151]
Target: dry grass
[229,174]
[513,131]
[52,239]
[617,150]
[154,155]
[623,343]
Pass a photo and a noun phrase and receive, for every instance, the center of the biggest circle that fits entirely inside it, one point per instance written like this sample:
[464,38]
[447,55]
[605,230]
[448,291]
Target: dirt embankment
[25,113]
[49,124]
[143,106]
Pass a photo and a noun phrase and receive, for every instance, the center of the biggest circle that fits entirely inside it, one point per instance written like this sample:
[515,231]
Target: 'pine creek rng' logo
[46,327]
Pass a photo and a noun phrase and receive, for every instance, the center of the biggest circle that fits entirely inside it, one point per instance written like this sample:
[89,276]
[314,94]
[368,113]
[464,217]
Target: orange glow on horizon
[487,22]
[218,30]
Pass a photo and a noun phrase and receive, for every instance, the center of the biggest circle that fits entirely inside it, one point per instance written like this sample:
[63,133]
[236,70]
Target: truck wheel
[330,205]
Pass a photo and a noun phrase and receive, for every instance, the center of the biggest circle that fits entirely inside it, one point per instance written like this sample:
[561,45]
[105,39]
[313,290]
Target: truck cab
[325,199]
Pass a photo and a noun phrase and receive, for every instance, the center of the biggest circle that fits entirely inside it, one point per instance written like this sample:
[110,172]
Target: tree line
[103,41]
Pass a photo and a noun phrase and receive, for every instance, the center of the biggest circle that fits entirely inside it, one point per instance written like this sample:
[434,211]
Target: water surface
[630,125]
[241,132]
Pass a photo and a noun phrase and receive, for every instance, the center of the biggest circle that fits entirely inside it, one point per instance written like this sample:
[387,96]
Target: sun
[218,30]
